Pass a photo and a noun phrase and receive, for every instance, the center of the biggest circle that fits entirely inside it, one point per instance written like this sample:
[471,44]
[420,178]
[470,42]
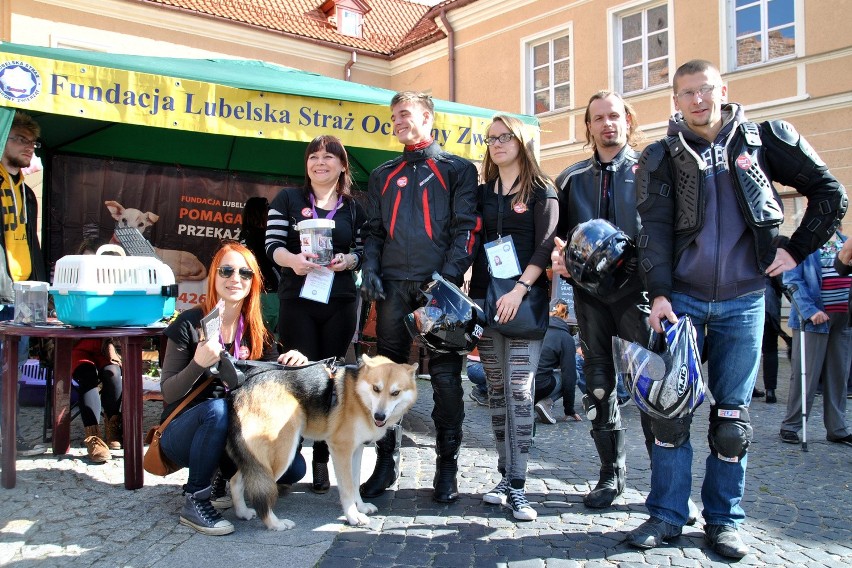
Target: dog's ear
[151,218]
[412,369]
[115,209]
[366,361]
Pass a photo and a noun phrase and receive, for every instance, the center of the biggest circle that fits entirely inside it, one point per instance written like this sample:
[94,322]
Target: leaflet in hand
[211,324]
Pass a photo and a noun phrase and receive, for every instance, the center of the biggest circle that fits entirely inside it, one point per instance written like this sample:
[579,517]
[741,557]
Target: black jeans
[394,342]
[769,349]
[599,321]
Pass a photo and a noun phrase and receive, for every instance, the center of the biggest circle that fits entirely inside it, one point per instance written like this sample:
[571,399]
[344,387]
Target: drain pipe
[347,70]
[451,53]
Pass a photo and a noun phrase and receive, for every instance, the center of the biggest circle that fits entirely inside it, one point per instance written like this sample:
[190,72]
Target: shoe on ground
[545,412]
[97,449]
[725,540]
[497,496]
[219,493]
[757,393]
[25,449]
[653,533]
[321,484]
[844,440]
[770,396]
[199,513]
[789,437]
[478,397]
[516,500]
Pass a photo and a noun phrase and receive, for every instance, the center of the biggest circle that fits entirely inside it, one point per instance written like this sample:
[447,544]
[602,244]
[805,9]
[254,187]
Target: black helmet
[449,321]
[597,256]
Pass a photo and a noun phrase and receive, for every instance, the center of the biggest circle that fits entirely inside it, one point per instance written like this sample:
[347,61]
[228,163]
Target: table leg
[131,351]
[62,396]
[9,402]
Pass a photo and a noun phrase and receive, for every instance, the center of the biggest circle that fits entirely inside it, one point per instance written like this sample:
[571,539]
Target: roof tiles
[390,27]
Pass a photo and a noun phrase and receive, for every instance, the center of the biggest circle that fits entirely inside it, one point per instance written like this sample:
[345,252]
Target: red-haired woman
[196,437]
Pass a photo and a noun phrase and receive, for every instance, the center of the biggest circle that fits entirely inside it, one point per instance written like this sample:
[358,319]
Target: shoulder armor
[784,132]
[389,164]
[653,155]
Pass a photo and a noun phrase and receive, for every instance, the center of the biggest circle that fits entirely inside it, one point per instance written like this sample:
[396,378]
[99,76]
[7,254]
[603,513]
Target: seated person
[96,363]
[196,437]
[556,376]
[476,375]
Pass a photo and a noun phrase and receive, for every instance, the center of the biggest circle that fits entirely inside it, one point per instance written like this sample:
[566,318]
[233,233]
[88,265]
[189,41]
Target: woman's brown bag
[155,460]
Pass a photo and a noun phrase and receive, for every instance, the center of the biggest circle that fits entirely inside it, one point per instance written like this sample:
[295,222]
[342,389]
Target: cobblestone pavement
[799,507]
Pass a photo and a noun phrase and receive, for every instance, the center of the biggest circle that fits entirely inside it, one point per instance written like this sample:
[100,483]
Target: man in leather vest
[422,218]
[603,187]
[709,233]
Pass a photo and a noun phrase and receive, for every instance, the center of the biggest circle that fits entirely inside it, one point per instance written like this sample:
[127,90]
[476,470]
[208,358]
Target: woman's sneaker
[199,513]
[516,500]
[219,493]
[497,496]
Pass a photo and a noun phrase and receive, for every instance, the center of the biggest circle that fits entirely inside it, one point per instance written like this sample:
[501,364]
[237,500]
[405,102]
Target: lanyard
[500,206]
[238,338]
[330,213]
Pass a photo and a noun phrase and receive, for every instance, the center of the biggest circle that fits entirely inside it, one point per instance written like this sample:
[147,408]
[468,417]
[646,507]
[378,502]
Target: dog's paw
[280,525]
[358,520]
[367,508]
[244,513]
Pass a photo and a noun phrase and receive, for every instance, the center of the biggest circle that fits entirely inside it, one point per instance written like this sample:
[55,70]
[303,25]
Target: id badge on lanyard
[502,258]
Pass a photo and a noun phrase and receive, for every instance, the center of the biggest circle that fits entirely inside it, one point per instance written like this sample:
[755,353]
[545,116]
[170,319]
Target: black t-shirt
[529,224]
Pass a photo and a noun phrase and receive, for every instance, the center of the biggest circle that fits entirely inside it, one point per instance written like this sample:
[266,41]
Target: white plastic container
[102,290]
[315,237]
[30,302]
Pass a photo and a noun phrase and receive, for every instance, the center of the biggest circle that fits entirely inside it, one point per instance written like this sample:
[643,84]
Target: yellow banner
[130,97]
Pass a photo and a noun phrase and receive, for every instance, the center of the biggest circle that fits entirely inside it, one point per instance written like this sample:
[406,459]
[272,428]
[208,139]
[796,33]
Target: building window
[643,48]
[349,23]
[764,30]
[549,76]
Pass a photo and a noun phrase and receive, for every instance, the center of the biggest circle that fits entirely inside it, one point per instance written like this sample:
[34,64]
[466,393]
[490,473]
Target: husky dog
[347,408]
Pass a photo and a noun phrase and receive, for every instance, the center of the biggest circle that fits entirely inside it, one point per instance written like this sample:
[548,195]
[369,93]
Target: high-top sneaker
[219,492]
[516,499]
[199,513]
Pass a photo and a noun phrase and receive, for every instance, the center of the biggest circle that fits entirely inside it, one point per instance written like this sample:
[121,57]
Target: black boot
[610,445]
[770,396]
[447,444]
[387,464]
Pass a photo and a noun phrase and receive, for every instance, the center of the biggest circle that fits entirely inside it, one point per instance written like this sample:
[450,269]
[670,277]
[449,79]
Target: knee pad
[671,432]
[730,432]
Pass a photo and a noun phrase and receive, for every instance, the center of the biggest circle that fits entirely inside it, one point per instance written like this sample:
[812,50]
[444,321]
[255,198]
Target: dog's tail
[260,489]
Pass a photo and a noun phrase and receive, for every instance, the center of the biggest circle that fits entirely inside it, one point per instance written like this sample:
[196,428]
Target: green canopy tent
[189,140]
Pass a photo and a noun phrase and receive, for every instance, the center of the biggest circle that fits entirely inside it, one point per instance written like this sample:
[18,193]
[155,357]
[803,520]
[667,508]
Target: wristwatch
[525,285]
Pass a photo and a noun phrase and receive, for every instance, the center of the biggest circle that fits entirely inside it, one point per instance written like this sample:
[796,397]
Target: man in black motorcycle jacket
[603,187]
[422,219]
[709,234]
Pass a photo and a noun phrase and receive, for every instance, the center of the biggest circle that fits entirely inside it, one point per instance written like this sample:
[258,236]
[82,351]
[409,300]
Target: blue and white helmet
[665,381]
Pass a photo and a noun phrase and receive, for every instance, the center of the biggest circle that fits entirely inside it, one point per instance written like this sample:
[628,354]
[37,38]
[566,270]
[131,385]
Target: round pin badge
[306,212]
[244,352]
[402,182]
[744,162]
[520,208]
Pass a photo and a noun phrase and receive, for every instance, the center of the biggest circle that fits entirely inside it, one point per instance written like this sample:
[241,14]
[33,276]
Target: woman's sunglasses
[228,271]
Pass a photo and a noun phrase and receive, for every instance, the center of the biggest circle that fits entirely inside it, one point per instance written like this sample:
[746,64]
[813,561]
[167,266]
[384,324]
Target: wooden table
[132,340]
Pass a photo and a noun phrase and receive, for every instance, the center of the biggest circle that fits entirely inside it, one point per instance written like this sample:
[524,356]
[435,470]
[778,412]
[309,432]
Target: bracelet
[527,287]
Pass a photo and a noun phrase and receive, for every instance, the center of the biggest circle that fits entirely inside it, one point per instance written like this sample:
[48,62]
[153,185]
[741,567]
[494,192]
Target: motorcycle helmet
[448,321]
[597,256]
[665,381]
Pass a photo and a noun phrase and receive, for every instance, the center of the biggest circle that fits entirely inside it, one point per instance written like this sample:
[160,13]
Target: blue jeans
[733,330]
[196,439]
[476,375]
